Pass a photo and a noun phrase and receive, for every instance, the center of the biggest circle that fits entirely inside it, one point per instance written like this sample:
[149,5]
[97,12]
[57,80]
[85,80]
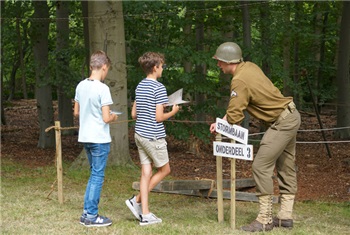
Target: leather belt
[290,109]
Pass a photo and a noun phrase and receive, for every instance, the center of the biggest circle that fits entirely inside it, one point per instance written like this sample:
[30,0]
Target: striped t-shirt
[149,93]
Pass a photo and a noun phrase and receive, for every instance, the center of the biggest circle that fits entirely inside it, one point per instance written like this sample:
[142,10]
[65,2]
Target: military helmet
[229,52]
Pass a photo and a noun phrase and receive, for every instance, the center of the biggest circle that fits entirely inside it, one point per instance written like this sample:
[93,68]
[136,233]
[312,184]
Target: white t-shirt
[91,96]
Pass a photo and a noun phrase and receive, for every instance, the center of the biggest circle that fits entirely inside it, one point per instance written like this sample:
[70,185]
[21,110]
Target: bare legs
[148,182]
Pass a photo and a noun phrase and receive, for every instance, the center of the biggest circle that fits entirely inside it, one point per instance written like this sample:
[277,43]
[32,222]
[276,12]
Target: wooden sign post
[59,162]
[233,151]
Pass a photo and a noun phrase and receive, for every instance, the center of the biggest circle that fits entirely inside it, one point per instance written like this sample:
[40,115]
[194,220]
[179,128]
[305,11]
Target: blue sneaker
[82,218]
[98,221]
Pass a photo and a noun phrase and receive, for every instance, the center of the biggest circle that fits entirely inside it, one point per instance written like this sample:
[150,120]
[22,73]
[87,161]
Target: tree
[3,119]
[343,78]
[247,43]
[43,91]
[287,90]
[65,114]
[106,26]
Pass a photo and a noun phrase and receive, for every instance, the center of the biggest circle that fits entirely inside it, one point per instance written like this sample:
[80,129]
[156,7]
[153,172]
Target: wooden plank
[186,184]
[170,185]
[240,183]
[240,196]
[174,185]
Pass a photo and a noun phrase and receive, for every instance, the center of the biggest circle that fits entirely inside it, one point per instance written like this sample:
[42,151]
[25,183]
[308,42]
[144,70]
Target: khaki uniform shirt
[251,90]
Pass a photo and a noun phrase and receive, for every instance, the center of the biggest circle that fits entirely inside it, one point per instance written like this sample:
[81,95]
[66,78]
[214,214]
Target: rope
[253,134]
[323,142]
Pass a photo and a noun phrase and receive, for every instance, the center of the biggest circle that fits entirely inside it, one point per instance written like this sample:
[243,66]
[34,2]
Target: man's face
[225,67]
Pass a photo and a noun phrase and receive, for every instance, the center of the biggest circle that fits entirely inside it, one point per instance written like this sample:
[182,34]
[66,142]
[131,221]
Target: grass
[27,209]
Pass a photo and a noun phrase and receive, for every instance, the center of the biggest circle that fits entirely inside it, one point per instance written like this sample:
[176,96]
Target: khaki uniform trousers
[277,149]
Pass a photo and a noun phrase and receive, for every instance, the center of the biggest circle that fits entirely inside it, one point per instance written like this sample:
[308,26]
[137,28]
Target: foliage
[171,27]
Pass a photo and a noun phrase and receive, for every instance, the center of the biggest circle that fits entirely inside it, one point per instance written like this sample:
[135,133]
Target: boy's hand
[176,108]
[115,117]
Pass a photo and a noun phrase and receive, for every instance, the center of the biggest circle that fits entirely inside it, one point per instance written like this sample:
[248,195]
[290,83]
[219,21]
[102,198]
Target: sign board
[234,132]
[238,151]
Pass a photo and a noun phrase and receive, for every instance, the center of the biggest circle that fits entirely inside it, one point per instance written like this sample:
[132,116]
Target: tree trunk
[247,38]
[15,67]
[65,110]
[287,90]
[106,27]
[20,52]
[86,65]
[265,38]
[296,77]
[43,89]
[317,53]
[3,118]
[200,68]
[343,77]
[247,35]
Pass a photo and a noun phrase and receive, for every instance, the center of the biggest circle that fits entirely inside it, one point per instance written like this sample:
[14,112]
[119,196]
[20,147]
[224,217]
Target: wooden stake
[59,161]
[220,200]
[233,191]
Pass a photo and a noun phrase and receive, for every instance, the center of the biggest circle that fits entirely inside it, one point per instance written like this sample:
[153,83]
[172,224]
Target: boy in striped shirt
[148,110]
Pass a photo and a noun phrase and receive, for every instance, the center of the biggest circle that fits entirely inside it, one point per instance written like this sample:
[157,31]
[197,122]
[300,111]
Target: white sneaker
[134,207]
[149,219]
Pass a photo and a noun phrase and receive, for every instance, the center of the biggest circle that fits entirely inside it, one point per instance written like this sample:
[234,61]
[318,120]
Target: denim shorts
[152,151]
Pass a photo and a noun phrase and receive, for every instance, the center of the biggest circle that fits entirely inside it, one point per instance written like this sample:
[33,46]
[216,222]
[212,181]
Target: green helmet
[229,52]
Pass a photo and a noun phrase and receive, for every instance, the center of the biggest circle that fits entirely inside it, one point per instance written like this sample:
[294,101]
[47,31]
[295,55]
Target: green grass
[27,209]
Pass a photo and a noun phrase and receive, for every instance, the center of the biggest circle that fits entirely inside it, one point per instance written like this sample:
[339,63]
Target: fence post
[233,191]
[59,161]
[219,184]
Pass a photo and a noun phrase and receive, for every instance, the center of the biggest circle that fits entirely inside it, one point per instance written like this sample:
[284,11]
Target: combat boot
[264,220]
[284,217]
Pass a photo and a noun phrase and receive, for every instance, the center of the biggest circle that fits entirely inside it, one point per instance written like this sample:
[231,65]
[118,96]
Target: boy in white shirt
[92,106]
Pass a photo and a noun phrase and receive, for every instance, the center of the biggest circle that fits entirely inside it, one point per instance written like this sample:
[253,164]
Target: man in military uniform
[251,90]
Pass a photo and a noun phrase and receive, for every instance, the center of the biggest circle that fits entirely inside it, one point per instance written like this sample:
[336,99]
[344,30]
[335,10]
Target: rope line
[323,142]
[253,134]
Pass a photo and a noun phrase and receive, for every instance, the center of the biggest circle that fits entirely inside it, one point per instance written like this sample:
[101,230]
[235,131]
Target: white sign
[234,132]
[239,151]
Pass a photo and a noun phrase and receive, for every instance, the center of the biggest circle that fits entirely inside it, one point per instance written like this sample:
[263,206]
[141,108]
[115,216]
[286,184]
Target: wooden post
[220,197]
[59,161]
[233,191]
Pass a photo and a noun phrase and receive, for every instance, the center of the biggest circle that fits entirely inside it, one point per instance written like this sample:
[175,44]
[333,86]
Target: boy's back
[92,95]
[149,93]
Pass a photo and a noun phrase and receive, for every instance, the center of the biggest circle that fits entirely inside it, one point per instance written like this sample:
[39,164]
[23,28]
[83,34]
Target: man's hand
[212,127]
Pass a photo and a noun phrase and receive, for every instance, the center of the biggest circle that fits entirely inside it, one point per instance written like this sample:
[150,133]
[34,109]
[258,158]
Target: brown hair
[98,59]
[149,60]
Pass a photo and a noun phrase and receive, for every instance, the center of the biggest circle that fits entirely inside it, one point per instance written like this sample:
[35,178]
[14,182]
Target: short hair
[98,59]
[150,59]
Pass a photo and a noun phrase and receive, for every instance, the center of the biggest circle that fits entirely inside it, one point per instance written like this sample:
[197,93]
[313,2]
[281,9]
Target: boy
[92,101]
[148,110]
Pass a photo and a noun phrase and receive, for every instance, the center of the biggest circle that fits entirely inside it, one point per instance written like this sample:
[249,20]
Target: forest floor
[320,177]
